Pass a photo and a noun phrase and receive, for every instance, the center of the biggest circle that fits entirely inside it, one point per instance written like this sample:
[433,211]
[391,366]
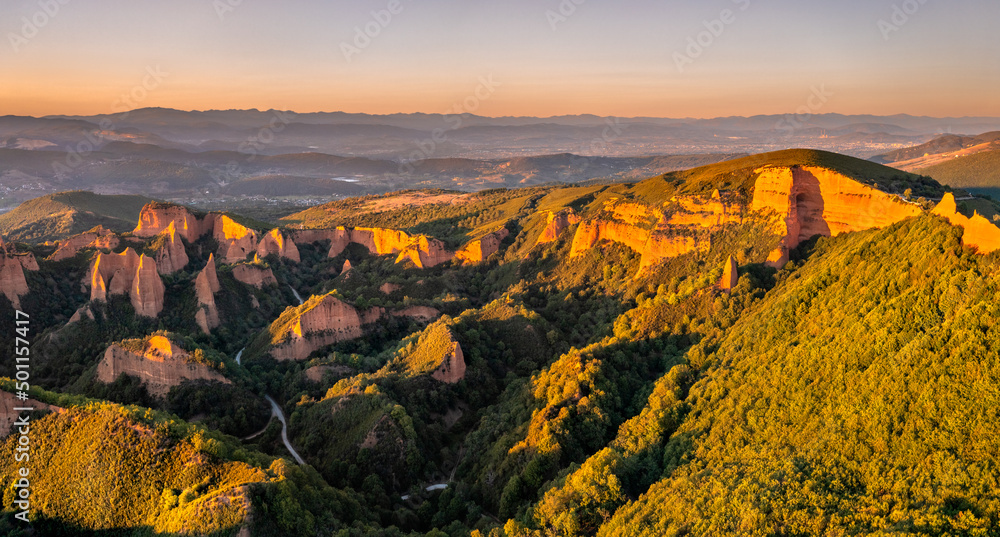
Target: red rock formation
[100,238]
[558,222]
[79,314]
[8,416]
[347,266]
[653,246]
[147,289]
[425,252]
[698,212]
[319,323]
[372,315]
[420,313]
[979,232]
[730,275]
[112,273]
[276,243]
[161,365]
[206,284]
[236,241]
[816,201]
[172,256]
[156,217]
[479,250]
[452,368]
[254,275]
[13,284]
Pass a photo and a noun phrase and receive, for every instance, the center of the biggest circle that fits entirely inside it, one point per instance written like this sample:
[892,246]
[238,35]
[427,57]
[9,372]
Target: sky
[626,58]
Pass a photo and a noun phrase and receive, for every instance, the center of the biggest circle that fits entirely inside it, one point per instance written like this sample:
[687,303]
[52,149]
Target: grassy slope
[979,171]
[65,213]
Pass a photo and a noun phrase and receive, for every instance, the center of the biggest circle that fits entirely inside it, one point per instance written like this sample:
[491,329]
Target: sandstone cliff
[480,249]
[557,223]
[653,246]
[106,269]
[452,368]
[419,313]
[813,201]
[147,290]
[254,275]
[160,364]
[13,283]
[206,284]
[423,251]
[156,217]
[236,241]
[979,233]
[171,255]
[318,323]
[276,243]
[730,275]
[100,238]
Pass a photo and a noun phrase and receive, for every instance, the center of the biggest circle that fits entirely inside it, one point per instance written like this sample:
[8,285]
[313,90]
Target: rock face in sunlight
[147,289]
[275,242]
[814,201]
[206,284]
[100,238]
[160,364]
[980,233]
[654,246]
[236,241]
[156,217]
[112,273]
[452,368]
[479,250]
[321,324]
[558,222]
[13,284]
[730,275]
[171,256]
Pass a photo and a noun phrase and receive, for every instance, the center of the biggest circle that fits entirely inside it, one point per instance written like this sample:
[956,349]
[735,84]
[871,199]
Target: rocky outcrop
[106,269]
[653,245]
[557,223]
[156,217]
[276,243]
[147,289]
[423,251]
[419,313]
[206,284]
[389,288]
[480,249]
[236,241]
[156,361]
[730,275]
[346,267]
[318,323]
[452,368]
[99,238]
[711,213]
[8,416]
[979,232]
[812,201]
[80,314]
[255,275]
[13,283]
[171,255]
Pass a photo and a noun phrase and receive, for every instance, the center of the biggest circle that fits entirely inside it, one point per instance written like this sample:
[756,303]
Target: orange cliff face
[979,232]
[107,268]
[558,222]
[100,238]
[423,251]
[329,321]
[653,246]
[236,241]
[172,256]
[814,201]
[13,283]
[161,365]
[147,290]
[206,284]
[156,217]
[276,243]
[452,368]
[480,249]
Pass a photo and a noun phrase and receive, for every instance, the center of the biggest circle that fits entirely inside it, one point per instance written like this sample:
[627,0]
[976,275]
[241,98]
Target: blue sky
[546,57]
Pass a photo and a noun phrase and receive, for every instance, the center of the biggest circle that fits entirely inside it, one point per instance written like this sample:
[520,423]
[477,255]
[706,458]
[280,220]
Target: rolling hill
[60,215]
